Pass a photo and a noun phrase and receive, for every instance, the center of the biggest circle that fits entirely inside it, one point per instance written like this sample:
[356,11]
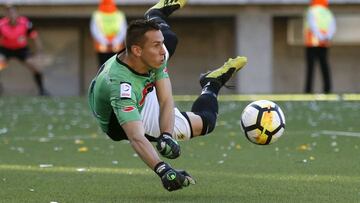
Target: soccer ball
[263,122]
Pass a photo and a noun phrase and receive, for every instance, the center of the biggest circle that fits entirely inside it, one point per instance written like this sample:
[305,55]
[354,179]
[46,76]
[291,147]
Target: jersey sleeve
[123,102]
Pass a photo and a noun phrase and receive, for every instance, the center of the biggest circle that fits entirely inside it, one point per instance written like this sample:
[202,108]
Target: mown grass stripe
[277,97]
[137,171]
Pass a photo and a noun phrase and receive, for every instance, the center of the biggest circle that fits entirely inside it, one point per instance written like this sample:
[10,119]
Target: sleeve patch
[125,90]
[127,109]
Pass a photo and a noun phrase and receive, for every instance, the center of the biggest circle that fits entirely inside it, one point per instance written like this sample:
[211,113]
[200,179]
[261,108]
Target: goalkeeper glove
[173,179]
[168,146]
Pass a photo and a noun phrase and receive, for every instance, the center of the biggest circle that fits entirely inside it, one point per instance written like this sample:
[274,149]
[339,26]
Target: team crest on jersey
[125,90]
[128,109]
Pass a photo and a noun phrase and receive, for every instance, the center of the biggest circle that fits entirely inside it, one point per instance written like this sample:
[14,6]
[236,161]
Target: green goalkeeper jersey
[118,88]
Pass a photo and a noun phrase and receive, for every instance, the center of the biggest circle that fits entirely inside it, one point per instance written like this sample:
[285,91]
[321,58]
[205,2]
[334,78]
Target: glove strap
[165,133]
[161,168]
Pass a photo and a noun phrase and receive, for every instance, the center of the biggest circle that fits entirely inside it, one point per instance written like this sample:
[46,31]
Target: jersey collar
[128,67]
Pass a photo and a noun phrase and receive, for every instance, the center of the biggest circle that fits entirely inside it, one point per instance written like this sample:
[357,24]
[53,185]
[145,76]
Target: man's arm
[121,35]
[332,28]
[171,179]
[34,35]
[96,33]
[135,133]
[313,25]
[166,144]
[166,103]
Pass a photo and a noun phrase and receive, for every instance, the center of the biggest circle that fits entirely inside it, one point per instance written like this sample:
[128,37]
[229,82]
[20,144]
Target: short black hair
[136,31]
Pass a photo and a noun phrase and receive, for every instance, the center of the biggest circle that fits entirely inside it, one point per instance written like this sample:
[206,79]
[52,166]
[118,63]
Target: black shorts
[22,54]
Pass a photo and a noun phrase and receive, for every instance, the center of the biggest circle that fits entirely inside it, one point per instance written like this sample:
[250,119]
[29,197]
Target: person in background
[15,30]
[108,28]
[319,29]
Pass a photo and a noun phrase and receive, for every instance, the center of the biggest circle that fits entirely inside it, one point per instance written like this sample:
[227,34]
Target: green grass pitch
[51,150]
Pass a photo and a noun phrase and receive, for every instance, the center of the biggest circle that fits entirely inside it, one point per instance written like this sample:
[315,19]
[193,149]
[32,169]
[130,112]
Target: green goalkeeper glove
[173,179]
[168,146]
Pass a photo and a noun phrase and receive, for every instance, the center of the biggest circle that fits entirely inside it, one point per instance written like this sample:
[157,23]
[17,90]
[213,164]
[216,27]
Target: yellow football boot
[225,72]
[165,3]
[167,7]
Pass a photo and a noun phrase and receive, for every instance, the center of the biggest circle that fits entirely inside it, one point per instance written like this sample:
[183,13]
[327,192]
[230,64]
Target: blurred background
[268,32]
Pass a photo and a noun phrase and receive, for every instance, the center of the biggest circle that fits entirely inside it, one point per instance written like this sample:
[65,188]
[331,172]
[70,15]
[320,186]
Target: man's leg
[205,108]
[325,69]
[2,61]
[167,7]
[38,78]
[4,57]
[23,55]
[203,117]
[310,62]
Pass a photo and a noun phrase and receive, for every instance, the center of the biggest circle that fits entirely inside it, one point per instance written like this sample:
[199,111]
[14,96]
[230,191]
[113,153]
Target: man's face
[12,14]
[153,52]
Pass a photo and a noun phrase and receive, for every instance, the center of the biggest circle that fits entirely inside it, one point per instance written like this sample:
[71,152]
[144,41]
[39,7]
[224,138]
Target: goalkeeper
[118,95]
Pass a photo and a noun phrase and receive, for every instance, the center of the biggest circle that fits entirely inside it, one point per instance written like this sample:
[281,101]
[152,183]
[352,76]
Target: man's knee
[209,121]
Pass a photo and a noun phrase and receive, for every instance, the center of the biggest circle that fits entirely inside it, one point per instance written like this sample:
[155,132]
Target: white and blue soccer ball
[263,122]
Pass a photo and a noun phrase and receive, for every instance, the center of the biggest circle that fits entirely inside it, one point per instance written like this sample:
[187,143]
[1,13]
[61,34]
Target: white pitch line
[340,133]
[140,171]
[73,169]
[104,137]
[61,137]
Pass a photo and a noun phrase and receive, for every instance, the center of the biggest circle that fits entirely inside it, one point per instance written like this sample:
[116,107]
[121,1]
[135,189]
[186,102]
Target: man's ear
[136,50]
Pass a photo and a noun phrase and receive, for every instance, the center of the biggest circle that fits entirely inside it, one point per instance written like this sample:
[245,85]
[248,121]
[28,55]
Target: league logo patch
[128,109]
[125,90]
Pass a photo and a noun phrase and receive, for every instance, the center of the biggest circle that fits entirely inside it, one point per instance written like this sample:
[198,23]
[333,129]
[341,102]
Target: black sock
[211,88]
[39,81]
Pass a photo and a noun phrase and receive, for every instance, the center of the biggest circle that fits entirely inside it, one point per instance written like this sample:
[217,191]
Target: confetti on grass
[83,149]
[3,131]
[78,141]
[304,147]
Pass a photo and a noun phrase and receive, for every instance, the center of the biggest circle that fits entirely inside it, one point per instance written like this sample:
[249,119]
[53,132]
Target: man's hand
[167,146]
[173,179]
